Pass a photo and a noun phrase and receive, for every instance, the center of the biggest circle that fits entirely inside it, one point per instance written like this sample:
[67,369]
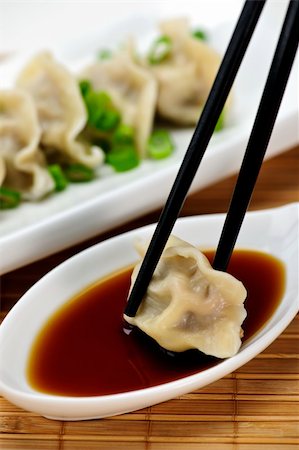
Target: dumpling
[133,91]
[189,304]
[22,165]
[60,108]
[186,76]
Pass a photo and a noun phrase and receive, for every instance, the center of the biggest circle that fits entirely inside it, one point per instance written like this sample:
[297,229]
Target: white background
[29,24]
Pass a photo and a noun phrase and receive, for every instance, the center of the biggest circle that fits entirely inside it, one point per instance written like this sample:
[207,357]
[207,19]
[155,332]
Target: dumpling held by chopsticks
[190,305]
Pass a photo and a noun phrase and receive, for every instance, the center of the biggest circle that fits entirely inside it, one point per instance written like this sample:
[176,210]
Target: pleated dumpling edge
[189,304]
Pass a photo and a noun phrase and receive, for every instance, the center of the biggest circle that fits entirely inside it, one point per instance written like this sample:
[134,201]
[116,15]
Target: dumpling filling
[189,305]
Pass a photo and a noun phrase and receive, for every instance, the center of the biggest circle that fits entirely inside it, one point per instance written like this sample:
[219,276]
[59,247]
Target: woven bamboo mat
[256,407]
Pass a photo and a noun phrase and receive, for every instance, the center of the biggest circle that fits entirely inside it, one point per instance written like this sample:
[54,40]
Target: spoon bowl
[274,231]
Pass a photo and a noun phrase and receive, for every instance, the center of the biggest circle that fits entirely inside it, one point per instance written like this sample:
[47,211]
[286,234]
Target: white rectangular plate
[35,230]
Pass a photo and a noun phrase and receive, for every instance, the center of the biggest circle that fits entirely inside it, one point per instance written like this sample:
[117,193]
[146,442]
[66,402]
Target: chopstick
[205,127]
[260,135]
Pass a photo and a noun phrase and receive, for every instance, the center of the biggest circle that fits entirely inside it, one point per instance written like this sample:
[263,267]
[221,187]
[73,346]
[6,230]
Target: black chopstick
[260,135]
[223,82]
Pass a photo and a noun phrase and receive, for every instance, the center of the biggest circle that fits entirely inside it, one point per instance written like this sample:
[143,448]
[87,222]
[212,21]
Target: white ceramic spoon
[274,231]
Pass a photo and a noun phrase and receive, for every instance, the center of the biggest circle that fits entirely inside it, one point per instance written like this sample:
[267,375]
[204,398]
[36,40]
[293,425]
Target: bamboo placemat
[256,407]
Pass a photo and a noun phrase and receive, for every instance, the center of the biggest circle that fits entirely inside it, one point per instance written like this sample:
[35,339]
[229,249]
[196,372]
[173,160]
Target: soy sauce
[83,351]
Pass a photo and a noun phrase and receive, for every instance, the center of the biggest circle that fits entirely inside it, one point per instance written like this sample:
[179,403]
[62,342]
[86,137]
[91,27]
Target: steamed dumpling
[133,91]
[190,305]
[60,107]
[186,76]
[22,165]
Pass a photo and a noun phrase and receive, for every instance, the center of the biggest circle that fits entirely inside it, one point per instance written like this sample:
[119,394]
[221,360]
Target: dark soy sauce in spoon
[83,351]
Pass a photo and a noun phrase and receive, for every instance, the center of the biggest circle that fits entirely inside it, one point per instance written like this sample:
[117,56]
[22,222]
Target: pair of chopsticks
[258,141]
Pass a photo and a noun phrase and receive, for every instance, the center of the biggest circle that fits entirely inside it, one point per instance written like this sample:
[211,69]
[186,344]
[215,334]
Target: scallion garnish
[199,34]
[107,120]
[9,198]
[101,113]
[96,103]
[78,173]
[159,144]
[122,158]
[104,54]
[85,86]
[123,135]
[58,176]
[160,50]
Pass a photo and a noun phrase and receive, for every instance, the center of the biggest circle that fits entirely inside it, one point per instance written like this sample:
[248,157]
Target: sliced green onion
[96,102]
[101,113]
[122,158]
[9,198]
[199,34]
[58,176]
[78,173]
[160,144]
[104,54]
[124,134]
[160,50]
[220,123]
[107,120]
[85,87]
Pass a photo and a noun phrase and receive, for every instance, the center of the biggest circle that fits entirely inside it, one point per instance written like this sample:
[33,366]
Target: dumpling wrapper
[61,110]
[22,164]
[133,91]
[189,304]
[186,76]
